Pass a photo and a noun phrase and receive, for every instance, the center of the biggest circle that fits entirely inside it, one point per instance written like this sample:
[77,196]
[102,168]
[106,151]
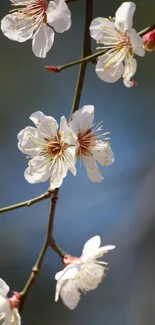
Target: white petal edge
[43,41]
[70,295]
[110,74]
[16,29]
[82,119]
[124,16]
[99,26]
[59,16]
[4,288]
[92,169]
[67,134]
[129,71]
[91,245]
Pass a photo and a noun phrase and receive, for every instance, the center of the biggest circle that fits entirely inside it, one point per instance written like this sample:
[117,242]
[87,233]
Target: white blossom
[90,147]
[82,274]
[120,42]
[8,314]
[51,152]
[37,20]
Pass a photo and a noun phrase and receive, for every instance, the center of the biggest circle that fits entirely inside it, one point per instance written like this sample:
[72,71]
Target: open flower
[8,312]
[37,20]
[120,42]
[51,152]
[81,274]
[90,147]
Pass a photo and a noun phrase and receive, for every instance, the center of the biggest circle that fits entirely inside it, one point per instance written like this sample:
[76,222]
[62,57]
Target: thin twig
[47,243]
[28,203]
[86,51]
[146,30]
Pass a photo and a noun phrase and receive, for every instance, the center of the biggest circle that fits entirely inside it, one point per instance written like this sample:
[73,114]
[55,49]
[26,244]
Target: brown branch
[27,203]
[86,51]
[47,243]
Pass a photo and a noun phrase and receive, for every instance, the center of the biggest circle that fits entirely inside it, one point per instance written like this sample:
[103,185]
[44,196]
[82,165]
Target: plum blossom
[81,274]
[37,20]
[90,147]
[51,152]
[8,312]
[120,42]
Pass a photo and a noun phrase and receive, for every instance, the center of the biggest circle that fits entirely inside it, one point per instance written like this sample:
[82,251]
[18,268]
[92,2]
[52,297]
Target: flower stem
[27,203]
[47,243]
[84,59]
[86,51]
[146,30]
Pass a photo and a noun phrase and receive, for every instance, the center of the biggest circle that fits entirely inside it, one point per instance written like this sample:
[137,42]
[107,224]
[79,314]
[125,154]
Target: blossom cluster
[39,20]
[54,149]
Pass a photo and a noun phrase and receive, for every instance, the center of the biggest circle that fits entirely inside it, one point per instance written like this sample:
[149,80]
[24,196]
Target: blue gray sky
[121,209]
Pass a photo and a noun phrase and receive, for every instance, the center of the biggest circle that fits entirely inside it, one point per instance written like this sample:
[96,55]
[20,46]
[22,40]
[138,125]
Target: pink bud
[149,41]
[51,68]
[15,300]
[68,259]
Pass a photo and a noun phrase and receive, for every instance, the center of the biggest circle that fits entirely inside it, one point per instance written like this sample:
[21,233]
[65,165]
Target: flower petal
[4,288]
[47,125]
[69,272]
[103,154]
[109,73]
[90,276]
[136,42]
[43,41]
[29,141]
[70,294]
[17,317]
[92,169]
[38,170]
[58,172]
[66,132]
[124,16]
[59,15]
[99,28]
[91,246]
[130,70]
[82,119]
[101,251]
[15,28]
[69,156]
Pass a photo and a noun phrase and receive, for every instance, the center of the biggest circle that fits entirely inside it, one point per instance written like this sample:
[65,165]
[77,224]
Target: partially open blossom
[51,152]
[37,20]
[82,274]
[8,312]
[92,146]
[120,42]
[149,41]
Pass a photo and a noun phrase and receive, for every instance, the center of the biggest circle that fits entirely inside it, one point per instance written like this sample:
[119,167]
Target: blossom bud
[149,41]
[51,68]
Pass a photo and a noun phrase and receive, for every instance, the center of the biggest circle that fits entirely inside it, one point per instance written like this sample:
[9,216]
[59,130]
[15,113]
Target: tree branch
[47,243]
[27,203]
[85,52]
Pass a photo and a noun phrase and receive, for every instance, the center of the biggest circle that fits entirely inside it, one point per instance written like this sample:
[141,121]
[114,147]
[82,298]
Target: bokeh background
[121,209]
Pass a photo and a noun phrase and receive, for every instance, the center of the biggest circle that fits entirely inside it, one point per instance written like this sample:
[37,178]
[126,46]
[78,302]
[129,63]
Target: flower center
[86,140]
[55,146]
[36,10]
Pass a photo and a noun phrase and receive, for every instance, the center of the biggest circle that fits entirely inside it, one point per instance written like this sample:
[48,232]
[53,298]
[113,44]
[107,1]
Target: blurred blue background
[121,209]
